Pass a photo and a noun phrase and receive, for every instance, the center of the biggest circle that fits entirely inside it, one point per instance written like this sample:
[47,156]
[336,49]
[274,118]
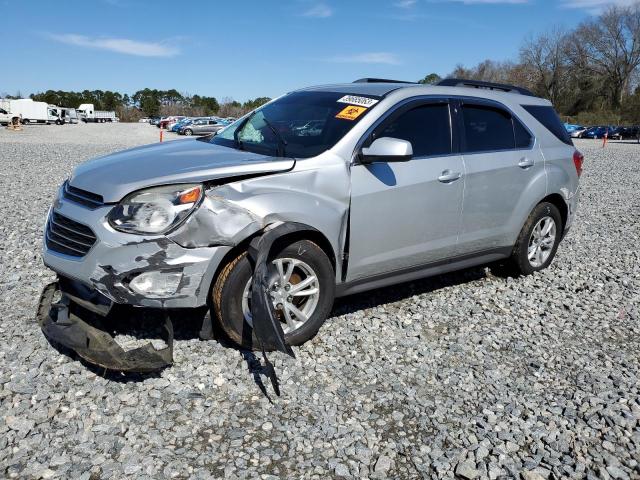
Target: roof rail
[379,80]
[461,82]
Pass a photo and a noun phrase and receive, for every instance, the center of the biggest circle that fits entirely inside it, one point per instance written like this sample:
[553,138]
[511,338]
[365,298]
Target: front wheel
[538,240]
[301,287]
[188,132]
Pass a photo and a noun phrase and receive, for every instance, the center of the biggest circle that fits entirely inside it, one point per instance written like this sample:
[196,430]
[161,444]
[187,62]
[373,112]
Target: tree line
[590,73]
[149,102]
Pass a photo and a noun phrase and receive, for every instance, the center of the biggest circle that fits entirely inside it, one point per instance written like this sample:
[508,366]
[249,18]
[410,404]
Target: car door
[198,126]
[407,214]
[500,162]
[211,126]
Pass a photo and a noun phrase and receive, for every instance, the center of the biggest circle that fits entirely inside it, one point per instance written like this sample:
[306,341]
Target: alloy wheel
[541,241]
[294,290]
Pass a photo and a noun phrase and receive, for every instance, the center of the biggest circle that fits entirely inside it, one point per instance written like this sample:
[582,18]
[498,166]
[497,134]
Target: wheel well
[313,235]
[557,200]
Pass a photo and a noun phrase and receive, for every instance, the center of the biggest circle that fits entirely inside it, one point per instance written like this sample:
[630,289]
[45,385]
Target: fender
[536,190]
[234,212]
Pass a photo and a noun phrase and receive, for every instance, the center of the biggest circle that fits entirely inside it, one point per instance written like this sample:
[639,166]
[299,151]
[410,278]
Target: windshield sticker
[355,100]
[351,112]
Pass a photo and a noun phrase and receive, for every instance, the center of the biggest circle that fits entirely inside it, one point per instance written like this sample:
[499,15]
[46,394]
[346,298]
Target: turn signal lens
[190,196]
[578,159]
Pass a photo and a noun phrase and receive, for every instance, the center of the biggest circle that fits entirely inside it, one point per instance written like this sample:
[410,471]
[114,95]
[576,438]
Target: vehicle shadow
[402,291]
[147,325]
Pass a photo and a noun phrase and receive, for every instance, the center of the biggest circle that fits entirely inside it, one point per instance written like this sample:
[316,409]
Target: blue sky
[250,48]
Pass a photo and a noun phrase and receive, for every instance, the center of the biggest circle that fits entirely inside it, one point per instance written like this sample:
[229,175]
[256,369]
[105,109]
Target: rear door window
[487,128]
[427,127]
[523,137]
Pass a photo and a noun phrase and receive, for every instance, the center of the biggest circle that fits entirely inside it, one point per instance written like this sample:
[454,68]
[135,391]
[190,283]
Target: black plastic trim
[504,87]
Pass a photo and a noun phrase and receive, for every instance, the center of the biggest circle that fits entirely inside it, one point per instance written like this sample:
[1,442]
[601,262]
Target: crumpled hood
[181,161]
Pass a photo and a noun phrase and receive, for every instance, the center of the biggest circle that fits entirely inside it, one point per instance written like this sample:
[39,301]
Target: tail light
[578,159]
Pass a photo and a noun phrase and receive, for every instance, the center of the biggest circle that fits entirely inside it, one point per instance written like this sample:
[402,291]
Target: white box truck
[87,113]
[34,112]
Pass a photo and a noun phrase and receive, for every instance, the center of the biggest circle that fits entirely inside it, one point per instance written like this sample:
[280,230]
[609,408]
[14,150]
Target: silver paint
[402,214]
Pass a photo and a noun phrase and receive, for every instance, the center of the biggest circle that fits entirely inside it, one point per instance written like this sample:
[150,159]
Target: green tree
[430,79]
[150,105]
[252,104]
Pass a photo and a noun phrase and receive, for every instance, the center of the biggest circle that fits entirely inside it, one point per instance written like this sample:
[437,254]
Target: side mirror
[387,149]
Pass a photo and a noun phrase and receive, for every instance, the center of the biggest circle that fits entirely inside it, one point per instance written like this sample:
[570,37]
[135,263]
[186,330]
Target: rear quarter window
[548,117]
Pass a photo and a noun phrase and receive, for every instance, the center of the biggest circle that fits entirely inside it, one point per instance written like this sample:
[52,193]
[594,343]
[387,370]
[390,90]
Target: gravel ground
[464,375]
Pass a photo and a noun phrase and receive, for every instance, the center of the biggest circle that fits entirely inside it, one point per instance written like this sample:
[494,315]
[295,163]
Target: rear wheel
[538,240]
[301,287]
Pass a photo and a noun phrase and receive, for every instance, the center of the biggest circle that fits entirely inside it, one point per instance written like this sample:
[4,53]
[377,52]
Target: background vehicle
[6,118]
[625,133]
[173,122]
[578,132]
[598,132]
[34,112]
[202,126]
[181,123]
[570,128]
[170,121]
[69,114]
[87,113]
[154,121]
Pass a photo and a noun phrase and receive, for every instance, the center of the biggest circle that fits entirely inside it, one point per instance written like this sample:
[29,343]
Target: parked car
[176,126]
[165,122]
[625,133]
[572,127]
[6,118]
[144,120]
[202,126]
[174,122]
[267,226]
[577,133]
[598,132]
[154,121]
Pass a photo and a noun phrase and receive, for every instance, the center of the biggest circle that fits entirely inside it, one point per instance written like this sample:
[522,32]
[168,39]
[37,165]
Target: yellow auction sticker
[351,112]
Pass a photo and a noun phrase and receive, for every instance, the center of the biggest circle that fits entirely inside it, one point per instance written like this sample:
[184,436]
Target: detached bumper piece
[72,316]
[61,322]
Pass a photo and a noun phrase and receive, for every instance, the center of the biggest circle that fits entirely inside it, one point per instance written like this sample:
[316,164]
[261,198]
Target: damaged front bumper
[66,325]
[116,258]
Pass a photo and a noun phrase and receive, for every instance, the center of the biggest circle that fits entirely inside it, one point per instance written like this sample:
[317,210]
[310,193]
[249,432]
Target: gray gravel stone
[467,371]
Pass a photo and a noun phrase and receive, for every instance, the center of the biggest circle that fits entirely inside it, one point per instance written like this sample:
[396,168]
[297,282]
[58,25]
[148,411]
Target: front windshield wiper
[282,143]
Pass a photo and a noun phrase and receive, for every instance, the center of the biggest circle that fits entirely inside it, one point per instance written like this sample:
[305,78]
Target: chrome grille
[67,236]
[77,195]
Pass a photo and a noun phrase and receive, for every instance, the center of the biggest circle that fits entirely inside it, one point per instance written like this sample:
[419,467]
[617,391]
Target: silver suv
[323,192]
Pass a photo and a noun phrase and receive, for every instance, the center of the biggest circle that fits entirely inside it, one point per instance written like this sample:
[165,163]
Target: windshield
[298,125]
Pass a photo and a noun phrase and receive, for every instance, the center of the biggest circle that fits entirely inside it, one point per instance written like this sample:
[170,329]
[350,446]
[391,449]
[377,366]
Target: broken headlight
[155,210]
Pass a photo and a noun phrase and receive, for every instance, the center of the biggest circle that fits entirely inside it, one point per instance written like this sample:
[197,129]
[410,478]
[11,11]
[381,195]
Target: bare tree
[609,46]
[545,58]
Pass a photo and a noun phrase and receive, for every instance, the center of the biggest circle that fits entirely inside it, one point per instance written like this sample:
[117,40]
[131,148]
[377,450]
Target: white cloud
[119,45]
[405,3]
[320,10]
[385,58]
[487,2]
[595,6]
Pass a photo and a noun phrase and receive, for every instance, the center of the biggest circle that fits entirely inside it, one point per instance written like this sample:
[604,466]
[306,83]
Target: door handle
[525,162]
[448,176]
